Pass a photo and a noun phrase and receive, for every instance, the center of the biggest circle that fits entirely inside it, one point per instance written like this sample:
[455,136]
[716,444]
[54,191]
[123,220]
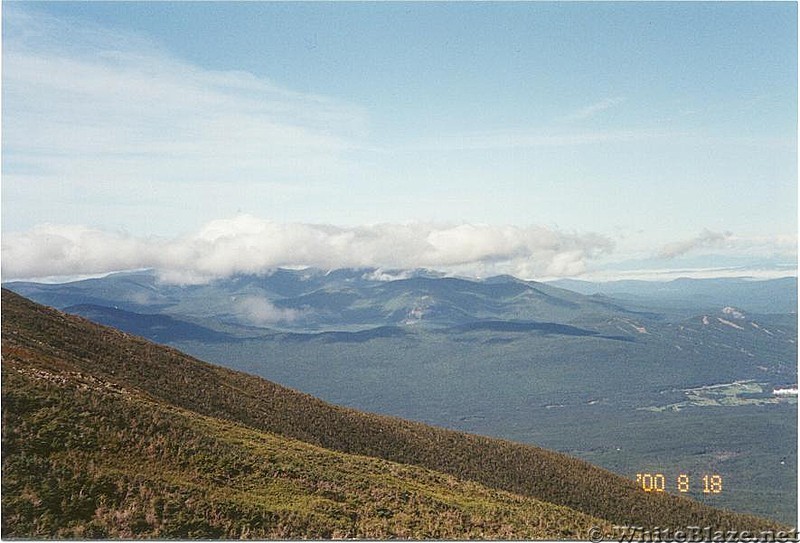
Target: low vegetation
[85,458]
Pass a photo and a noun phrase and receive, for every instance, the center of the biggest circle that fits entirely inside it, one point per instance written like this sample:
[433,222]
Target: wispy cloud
[705,239]
[248,245]
[594,109]
[754,272]
[520,139]
[90,114]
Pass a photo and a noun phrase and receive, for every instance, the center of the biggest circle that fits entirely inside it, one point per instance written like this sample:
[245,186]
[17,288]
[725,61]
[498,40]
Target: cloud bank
[249,245]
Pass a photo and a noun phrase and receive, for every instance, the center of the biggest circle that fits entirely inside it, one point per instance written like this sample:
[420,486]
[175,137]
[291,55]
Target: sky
[567,139]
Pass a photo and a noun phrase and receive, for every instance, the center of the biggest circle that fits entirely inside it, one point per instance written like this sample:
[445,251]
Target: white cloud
[248,245]
[73,250]
[595,109]
[379,274]
[706,239]
[259,311]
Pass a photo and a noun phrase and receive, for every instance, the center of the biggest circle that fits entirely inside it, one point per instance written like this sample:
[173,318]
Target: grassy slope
[166,375]
[85,458]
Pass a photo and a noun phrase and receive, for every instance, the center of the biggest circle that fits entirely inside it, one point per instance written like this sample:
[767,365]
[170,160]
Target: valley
[629,387]
[107,435]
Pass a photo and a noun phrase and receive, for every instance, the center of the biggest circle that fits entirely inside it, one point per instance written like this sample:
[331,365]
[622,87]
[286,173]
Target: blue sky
[596,140]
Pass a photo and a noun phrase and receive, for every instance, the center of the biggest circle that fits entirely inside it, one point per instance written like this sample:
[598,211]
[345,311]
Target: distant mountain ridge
[159,328]
[45,351]
[757,296]
[308,300]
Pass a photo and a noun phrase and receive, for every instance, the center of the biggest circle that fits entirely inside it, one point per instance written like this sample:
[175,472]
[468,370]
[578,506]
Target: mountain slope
[57,343]
[85,458]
